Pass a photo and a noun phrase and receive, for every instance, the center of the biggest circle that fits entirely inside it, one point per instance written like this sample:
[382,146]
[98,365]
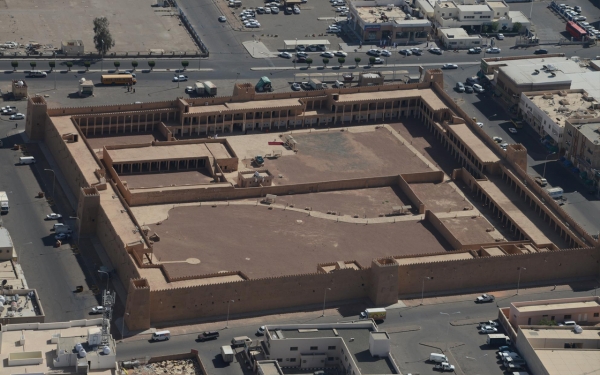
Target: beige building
[72,47]
[582,147]
[583,310]
[474,15]
[458,38]
[7,248]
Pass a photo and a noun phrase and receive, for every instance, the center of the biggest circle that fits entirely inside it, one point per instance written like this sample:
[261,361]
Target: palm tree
[117,65]
[14,65]
[151,64]
[371,60]
[134,64]
[185,64]
[87,65]
[325,62]
[32,64]
[357,61]
[52,65]
[69,65]
[309,61]
[341,60]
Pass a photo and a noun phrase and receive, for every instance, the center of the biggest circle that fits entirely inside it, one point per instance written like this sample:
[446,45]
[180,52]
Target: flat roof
[569,361]
[457,32]
[153,153]
[474,8]
[270,368]
[426,94]
[373,14]
[476,145]
[589,130]
[434,258]
[559,107]
[5,240]
[558,306]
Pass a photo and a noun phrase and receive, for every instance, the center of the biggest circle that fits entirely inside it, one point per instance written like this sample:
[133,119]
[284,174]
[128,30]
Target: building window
[279,359]
[469,17]
[292,359]
[443,14]
[484,17]
[331,348]
[294,348]
[314,348]
[330,358]
[567,316]
[596,315]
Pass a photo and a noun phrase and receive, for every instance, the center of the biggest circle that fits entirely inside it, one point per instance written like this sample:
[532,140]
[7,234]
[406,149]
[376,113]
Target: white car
[285,55]
[267,10]
[333,29]
[260,331]
[378,61]
[180,78]
[53,216]
[189,89]
[97,310]
[327,54]
[406,52]
[436,51]
[500,36]
[386,53]
[478,88]
[296,86]
[449,66]
[296,10]
[480,124]
[274,10]
[512,130]
[18,116]
[340,53]
[374,52]
[493,50]
[488,329]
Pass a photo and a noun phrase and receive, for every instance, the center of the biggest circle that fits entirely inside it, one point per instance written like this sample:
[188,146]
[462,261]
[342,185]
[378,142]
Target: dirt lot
[361,202]
[262,242]
[344,155]
[440,197]
[134,24]
[152,180]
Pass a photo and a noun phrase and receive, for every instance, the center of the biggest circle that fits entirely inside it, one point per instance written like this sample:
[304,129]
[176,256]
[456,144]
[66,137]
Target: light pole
[102,56]
[423,287]
[324,298]
[54,70]
[531,10]
[53,179]
[227,324]
[448,328]
[545,163]
[123,326]
[107,277]
[519,279]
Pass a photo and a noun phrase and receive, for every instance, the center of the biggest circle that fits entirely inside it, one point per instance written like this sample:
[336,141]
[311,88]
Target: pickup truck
[491,323]
[485,298]
[444,366]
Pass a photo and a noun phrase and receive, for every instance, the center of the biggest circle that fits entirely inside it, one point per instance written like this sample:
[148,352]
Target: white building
[357,348]
[458,38]
[72,47]
[471,14]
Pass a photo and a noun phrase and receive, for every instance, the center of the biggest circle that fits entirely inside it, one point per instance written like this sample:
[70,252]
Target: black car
[469,89]
[540,51]
[208,335]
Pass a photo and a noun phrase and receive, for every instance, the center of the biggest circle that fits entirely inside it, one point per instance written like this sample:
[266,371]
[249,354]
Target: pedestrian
[16,126]
[134,90]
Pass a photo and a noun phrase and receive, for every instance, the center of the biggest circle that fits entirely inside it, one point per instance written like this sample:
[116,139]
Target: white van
[161,336]
[26,160]
[240,341]
[438,358]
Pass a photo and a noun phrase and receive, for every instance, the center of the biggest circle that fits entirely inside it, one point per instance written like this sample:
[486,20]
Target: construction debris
[172,367]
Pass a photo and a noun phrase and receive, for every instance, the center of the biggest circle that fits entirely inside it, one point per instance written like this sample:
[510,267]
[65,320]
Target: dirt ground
[262,242]
[134,24]
[440,197]
[153,180]
[361,202]
[470,230]
[344,155]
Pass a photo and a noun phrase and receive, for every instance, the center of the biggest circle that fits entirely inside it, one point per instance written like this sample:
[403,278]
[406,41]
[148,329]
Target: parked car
[478,88]
[460,87]
[416,51]
[405,52]
[469,89]
[374,52]
[222,19]
[62,236]
[500,36]
[327,54]
[333,29]
[474,50]
[274,10]
[260,331]
[449,66]
[386,53]
[484,297]
[493,50]
[488,329]
[296,10]
[285,55]
[180,78]
[53,216]
[340,53]
[296,86]
[497,139]
[17,116]
[540,51]
[436,51]
[480,124]
[541,181]
[301,54]
[97,310]
[512,130]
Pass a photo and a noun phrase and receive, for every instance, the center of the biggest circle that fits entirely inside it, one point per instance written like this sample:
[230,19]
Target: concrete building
[583,310]
[547,112]
[356,348]
[582,147]
[385,22]
[473,15]
[255,178]
[72,47]
[458,38]
[7,248]
[66,347]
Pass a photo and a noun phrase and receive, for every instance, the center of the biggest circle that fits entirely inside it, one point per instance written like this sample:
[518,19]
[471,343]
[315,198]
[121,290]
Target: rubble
[170,367]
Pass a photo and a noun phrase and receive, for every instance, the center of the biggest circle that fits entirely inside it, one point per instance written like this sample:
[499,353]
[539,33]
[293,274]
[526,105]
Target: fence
[191,30]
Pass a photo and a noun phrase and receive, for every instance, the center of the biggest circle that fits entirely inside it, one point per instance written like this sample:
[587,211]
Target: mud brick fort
[367,191]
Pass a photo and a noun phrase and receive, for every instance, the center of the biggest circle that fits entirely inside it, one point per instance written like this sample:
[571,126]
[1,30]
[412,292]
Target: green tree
[357,61]
[517,27]
[309,61]
[495,26]
[151,64]
[341,60]
[117,65]
[325,62]
[371,60]
[87,65]
[185,64]
[33,64]
[52,65]
[547,322]
[103,41]
[14,64]
[134,64]
[69,65]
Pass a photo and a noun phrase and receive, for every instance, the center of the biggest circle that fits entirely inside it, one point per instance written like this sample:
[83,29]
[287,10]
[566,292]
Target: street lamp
[102,56]
[519,279]
[123,326]
[227,324]
[324,298]
[54,72]
[53,179]
[107,277]
[448,328]
[423,287]
[545,163]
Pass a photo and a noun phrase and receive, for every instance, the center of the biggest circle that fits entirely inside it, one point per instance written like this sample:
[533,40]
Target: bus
[576,31]
[118,79]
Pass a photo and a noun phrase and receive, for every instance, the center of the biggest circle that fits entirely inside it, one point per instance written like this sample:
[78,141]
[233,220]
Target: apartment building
[582,148]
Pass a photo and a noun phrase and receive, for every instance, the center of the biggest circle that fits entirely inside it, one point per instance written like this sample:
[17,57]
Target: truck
[555,192]
[264,85]
[227,353]
[210,88]
[63,229]
[315,84]
[375,314]
[498,339]
[3,202]
[444,366]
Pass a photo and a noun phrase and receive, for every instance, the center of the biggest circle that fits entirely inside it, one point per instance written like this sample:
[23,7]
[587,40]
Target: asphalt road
[468,348]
